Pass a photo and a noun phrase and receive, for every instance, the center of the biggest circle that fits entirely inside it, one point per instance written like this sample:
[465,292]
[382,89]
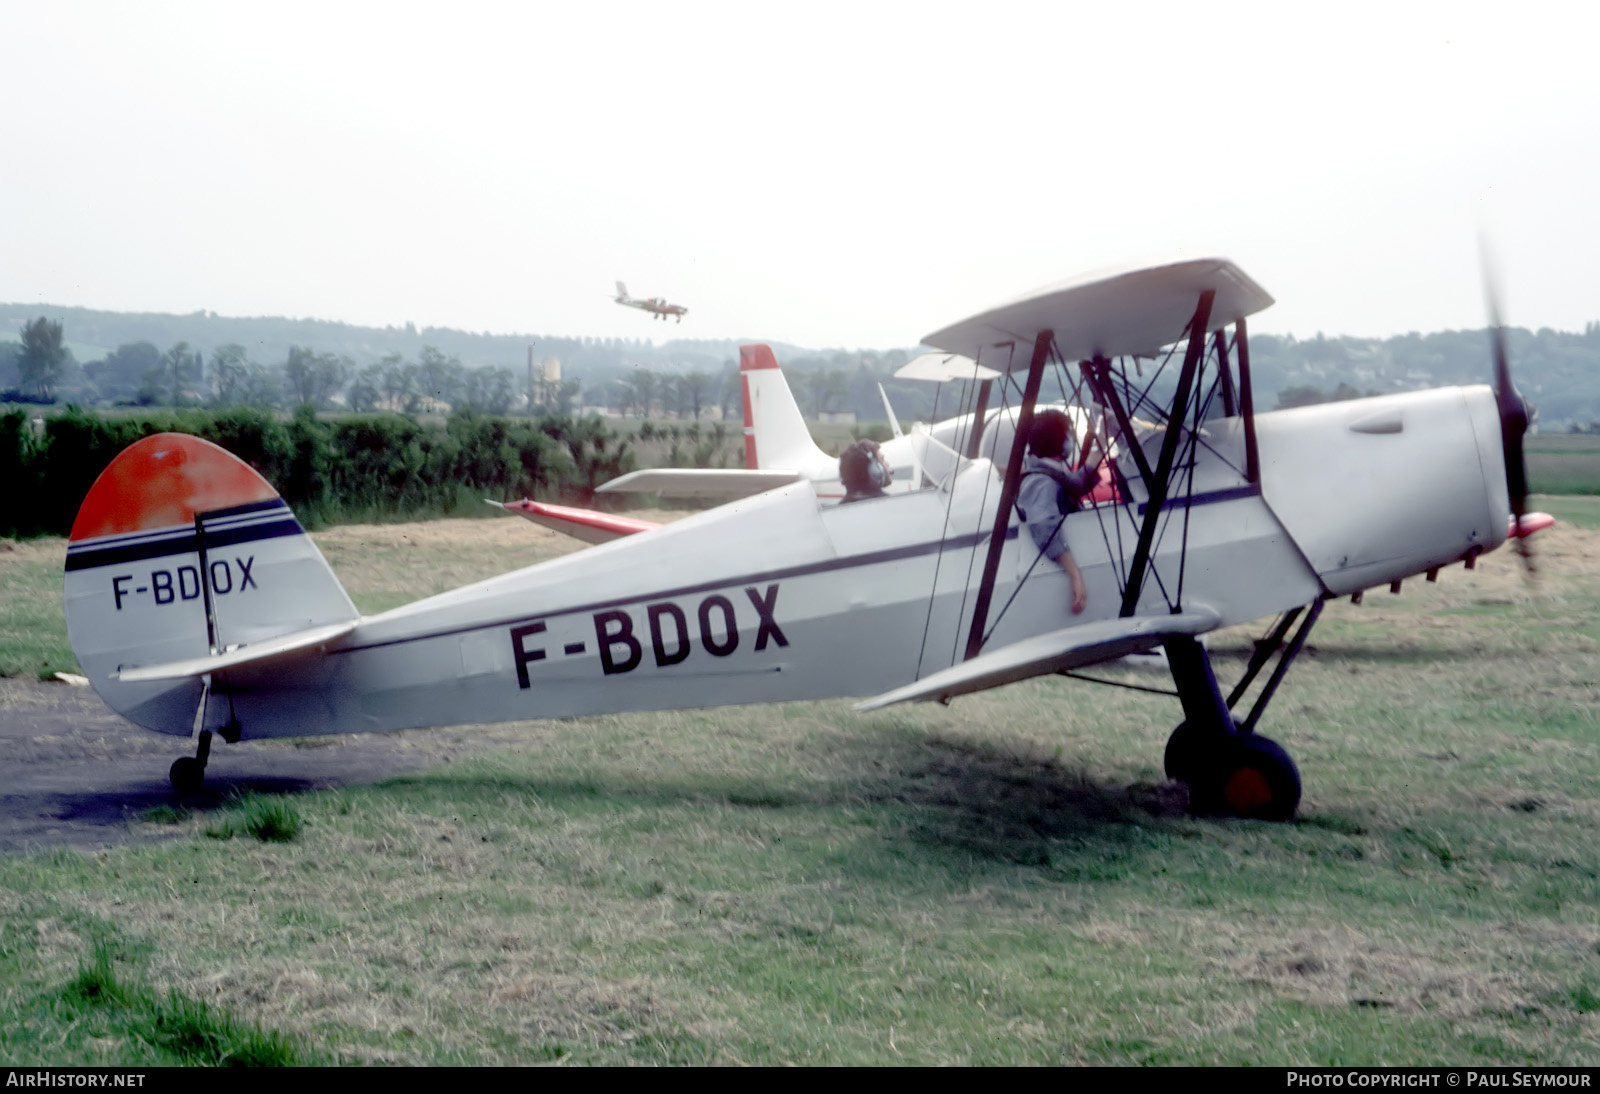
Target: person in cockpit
[864,471]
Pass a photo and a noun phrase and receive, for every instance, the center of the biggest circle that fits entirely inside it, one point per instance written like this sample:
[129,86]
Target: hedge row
[364,467]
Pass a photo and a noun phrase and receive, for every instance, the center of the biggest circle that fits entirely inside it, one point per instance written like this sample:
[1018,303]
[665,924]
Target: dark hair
[1049,433]
[856,468]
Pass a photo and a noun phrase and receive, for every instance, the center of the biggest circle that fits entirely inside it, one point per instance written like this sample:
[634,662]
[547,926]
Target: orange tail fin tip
[162,481]
[756,356]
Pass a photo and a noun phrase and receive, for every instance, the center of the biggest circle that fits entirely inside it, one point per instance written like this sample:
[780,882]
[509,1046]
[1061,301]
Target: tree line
[140,374]
[355,467]
[355,369]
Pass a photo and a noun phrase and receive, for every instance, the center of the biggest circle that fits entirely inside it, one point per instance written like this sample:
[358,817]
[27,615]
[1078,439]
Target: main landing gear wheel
[186,773]
[1183,753]
[1255,779]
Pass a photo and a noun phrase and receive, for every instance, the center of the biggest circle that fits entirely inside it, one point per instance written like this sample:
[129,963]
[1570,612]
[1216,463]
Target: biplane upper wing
[701,482]
[1109,313]
[944,368]
[1058,651]
[585,524]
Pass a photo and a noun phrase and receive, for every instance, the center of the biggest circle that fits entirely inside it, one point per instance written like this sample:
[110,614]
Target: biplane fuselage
[780,598]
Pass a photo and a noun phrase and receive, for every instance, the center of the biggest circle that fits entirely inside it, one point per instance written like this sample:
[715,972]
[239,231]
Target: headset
[865,460]
[878,469]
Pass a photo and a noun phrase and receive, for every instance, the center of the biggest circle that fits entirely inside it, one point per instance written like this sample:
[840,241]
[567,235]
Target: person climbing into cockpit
[1049,492]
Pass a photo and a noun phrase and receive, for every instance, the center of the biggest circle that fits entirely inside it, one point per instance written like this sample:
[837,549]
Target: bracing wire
[944,530]
[1076,395]
[983,499]
[1117,683]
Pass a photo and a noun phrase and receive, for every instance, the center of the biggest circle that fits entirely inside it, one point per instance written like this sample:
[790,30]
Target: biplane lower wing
[1058,651]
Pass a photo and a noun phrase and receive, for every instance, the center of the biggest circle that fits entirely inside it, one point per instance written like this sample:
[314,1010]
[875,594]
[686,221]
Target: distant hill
[92,334]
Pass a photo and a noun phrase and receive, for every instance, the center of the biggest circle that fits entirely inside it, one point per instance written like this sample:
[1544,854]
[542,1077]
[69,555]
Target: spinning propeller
[1513,425]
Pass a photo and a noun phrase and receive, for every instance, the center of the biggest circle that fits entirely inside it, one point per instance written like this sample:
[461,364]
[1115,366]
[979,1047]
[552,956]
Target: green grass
[33,631]
[104,1014]
[270,820]
[1563,463]
[1581,512]
[1006,880]
[175,1026]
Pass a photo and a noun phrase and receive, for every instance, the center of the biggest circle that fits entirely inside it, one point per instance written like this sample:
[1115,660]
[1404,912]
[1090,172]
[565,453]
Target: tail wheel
[1258,780]
[186,773]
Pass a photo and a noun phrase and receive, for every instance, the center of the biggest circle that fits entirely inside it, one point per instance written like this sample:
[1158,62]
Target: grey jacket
[1040,500]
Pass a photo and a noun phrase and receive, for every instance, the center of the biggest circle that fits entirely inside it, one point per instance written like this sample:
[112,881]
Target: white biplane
[199,607]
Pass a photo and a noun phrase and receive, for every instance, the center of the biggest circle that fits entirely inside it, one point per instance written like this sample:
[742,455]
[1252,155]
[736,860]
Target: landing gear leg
[188,772]
[1229,769]
[1207,720]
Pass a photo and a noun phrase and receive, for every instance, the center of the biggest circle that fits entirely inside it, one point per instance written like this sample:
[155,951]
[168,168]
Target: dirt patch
[78,775]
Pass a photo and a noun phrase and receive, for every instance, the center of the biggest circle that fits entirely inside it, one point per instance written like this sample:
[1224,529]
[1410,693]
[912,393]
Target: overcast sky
[853,174]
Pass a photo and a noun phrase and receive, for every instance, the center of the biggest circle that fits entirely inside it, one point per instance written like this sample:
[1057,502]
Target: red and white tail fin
[775,435]
[181,552]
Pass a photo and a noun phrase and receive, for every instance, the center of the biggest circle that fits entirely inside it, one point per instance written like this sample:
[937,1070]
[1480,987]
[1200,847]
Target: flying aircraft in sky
[655,305]
[198,606]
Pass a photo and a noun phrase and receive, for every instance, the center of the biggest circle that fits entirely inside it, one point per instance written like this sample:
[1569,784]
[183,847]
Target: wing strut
[977,419]
[1169,449]
[1098,372]
[1008,492]
[1229,403]
[1247,406]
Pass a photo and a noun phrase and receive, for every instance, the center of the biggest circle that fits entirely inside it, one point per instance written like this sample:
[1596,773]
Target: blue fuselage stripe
[872,559]
[1232,493]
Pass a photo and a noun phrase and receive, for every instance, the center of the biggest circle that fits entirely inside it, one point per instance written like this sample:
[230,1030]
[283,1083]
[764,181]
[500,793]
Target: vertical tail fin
[622,291]
[180,550]
[775,435]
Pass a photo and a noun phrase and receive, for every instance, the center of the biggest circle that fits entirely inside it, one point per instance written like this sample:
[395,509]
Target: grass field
[1006,880]
[1564,463]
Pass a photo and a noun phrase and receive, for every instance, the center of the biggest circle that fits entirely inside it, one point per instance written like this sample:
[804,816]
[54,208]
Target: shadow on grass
[934,792]
[1016,808]
[1337,651]
[96,816]
[95,807]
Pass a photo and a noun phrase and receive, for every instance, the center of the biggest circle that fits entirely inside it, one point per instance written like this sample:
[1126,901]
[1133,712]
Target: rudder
[775,433]
[181,550]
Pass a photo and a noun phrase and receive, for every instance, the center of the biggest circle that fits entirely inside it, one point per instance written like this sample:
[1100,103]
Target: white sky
[827,174]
